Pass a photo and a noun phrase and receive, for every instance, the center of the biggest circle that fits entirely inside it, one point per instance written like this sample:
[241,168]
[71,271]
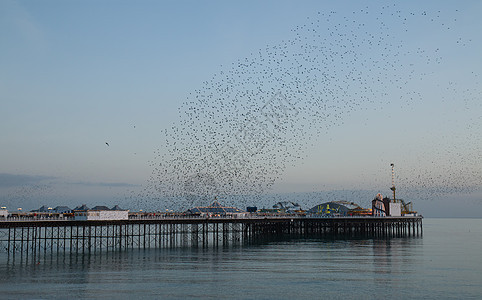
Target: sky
[160,105]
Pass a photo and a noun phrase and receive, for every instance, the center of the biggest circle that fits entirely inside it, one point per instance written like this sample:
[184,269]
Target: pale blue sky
[77,74]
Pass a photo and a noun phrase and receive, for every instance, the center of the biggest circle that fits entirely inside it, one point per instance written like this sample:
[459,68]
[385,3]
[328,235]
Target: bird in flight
[107,143]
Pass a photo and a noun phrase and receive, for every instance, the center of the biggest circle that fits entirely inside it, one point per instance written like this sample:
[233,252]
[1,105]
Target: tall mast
[393,182]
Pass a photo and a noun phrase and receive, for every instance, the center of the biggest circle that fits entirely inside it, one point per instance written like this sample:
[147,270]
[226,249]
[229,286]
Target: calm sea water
[444,263]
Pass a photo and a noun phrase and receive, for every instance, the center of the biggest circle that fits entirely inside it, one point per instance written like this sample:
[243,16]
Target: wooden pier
[36,237]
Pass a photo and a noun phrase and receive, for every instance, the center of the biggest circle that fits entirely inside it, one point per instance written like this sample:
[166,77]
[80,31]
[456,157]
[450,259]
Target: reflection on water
[216,271]
[435,266]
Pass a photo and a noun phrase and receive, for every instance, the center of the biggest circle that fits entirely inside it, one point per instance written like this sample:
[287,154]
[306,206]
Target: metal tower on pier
[393,182]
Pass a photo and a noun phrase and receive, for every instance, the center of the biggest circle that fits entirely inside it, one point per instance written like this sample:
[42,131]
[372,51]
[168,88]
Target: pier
[36,237]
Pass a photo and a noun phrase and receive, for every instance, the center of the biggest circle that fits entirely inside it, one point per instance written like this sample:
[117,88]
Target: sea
[445,262]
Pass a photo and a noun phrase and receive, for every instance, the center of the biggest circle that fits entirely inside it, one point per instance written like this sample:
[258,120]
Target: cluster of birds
[242,128]
[28,195]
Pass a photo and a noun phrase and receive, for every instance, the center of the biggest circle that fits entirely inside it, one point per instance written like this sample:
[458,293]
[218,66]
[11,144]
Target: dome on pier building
[333,208]
[215,209]
[62,209]
[81,207]
[43,209]
[287,206]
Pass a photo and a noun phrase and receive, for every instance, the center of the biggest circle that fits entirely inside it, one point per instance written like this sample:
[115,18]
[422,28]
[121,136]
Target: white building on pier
[99,213]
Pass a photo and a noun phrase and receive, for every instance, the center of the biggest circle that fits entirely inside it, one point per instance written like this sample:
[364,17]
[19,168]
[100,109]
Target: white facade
[395,209]
[101,215]
[3,213]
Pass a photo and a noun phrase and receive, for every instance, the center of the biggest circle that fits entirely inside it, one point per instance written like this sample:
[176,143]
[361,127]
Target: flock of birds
[29,195]
[242,128]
